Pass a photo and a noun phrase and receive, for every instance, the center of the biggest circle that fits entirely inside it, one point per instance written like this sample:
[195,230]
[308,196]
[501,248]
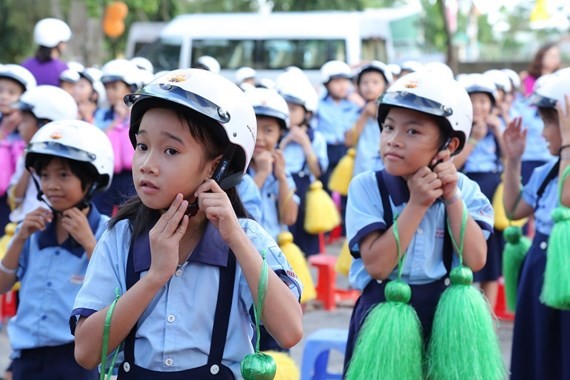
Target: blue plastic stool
[316,353]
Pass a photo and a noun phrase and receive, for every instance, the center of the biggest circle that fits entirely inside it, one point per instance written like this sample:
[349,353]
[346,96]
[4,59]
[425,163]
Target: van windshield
[164,54]
[270,53]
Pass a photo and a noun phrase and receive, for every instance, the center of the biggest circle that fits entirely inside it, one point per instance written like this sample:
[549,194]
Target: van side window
[305,54]
[374,49]
[162,54]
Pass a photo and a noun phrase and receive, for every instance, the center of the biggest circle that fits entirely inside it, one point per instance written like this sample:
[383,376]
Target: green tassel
[514,253]
[556,288]
[389,345]
[258,366]
[463,343]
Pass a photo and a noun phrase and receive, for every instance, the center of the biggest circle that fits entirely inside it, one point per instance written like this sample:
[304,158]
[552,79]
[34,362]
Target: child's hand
[479,130]
[264,162]
[215,204]
[514,139]
[425,187]
[279,164]
[564,120]
[34,221]
[446,172]
[494,124]
[10,122]
[298,135]
[75,222]
[165,239]
[370,109]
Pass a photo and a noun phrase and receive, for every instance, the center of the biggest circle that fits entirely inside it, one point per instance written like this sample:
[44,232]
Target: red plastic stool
[326,279]
[501,310]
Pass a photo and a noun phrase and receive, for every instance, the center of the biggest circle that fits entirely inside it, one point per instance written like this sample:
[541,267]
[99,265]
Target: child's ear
[453,145]
[213,165]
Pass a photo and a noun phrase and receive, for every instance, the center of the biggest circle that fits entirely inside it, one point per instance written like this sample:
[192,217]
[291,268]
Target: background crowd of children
[303,131]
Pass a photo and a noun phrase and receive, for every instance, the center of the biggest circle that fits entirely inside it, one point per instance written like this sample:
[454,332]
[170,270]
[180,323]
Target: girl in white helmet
[185,262]
[541,336]
[50,36]
[89,93]
[424,120]
[304,148]
[14,81]
[52,246]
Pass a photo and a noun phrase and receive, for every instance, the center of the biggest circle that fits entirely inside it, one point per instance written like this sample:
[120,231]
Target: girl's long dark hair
[43,54]
[205,131]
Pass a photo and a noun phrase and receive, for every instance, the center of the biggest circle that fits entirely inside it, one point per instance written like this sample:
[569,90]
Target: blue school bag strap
[553,173]
[389,220]
[221,316]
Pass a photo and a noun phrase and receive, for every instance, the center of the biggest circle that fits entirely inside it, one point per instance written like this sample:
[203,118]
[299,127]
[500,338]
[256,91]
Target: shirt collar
[397,188]
[48,237]
[211,250]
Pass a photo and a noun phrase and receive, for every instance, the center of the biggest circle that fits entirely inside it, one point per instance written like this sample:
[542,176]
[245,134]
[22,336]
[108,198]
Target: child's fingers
[169,221]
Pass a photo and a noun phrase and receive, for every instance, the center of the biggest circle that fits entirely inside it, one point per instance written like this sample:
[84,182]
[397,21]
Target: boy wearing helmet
[50,35]
[14,81]
[38,106]
[180,250]
[422,127]
[481,161]
[51,248]
[541,342]
[372,79]
[305,149]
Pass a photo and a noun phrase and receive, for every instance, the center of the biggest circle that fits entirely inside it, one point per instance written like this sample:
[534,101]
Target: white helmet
[75,140]
[19,74]
[394,68]
[208,63]
[501,80]
[49,32]
[269,103]
[93,75]
[335,69]
[439,68]
[244,73]
[49,103]
[69,75]
[514,77]
[211,95]
[120,70]
[480,83]
[552,90]
[411,66]
[143,63]
[376,66]
[434,95]
[296,88]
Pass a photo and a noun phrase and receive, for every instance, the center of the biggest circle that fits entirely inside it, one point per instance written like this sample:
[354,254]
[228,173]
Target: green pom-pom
[398,291]
[463,343]
[514,253]
[389,345]
[461,275]
[556,289]
[258,366]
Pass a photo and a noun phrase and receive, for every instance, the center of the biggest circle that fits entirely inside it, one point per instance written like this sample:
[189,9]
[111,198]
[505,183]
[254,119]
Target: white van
[272,42]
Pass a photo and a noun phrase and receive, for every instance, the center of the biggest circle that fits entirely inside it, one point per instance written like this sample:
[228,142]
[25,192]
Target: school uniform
[541,336]
[333,120]
[428,258]
[484,166]
[296,164]
[368,149]
[250,197]
[269,203]
[50,275]
[198,325]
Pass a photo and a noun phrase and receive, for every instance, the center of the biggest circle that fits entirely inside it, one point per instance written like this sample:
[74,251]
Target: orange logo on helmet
[56,135]
[411,84]
[178,78]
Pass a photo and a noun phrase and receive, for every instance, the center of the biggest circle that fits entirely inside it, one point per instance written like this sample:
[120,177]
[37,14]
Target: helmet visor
[542,101]
[178,95]
[53,148]
[412,101]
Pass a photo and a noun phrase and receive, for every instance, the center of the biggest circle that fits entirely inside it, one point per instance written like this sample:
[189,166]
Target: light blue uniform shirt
[295,156]
[50,274]
[269,208]
[334,119]
[549,199]
[423,261]
[250,196]
[368,149]
[484,157]
[536,148]
[176,327]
